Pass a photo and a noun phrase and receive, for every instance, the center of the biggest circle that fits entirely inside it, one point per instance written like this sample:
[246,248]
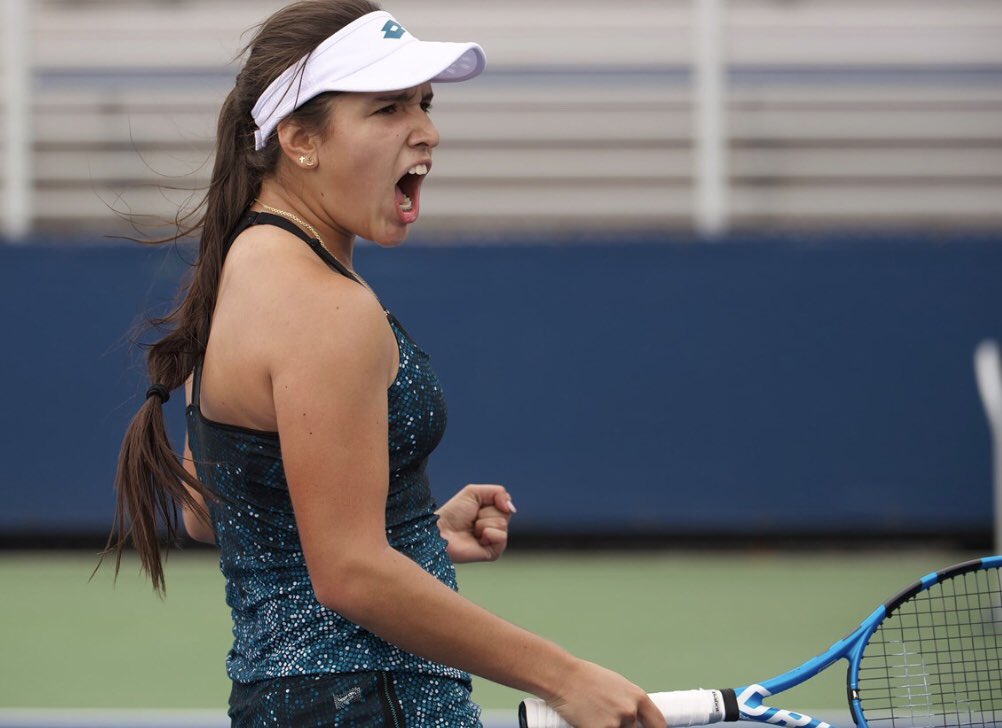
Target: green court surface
[665,620]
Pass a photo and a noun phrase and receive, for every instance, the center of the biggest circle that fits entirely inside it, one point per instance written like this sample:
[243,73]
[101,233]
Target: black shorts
[363,699]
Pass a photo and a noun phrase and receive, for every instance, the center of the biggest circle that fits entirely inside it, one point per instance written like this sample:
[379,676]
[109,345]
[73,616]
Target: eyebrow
[404,97]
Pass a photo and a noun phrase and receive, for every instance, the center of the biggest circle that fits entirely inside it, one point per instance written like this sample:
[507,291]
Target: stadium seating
[842,113]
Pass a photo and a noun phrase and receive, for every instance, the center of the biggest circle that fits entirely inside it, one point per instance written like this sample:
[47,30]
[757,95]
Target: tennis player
[312,411]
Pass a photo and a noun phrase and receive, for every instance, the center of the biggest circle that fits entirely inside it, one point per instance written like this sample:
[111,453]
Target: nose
[424,133]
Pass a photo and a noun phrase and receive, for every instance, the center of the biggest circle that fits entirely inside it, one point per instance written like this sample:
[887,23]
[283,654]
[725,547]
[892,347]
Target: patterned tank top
[279,627]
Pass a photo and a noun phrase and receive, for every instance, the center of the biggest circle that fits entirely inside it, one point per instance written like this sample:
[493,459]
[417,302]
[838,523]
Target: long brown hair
[149,476]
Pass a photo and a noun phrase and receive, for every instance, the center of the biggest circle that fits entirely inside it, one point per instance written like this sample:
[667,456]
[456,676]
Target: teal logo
[393,30]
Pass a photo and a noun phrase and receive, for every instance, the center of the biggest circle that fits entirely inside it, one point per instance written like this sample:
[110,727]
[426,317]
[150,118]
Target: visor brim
[416,63]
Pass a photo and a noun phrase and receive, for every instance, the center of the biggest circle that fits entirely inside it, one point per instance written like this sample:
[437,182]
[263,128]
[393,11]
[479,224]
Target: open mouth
[408,190]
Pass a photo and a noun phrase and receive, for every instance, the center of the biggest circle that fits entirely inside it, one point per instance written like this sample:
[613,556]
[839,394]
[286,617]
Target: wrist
[442,529]
[550,677]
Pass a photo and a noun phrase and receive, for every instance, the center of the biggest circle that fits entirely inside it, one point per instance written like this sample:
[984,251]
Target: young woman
[312,412]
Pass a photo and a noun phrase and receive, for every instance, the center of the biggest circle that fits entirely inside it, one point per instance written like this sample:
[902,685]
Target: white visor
[371,54]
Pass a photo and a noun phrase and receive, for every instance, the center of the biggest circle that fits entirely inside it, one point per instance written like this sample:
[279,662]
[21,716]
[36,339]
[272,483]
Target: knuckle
[628,714]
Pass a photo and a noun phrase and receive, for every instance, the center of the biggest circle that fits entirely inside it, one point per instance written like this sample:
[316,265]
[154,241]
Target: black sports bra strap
[266,218]
[196,382]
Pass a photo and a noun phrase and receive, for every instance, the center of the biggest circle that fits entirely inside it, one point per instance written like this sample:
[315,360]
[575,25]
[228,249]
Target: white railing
[708,124]
[17,198]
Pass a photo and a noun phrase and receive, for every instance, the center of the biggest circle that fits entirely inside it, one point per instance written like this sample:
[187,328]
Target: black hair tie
[160,391]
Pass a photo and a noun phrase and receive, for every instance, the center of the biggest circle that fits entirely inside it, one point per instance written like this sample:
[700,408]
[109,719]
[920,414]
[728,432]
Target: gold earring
[308,161]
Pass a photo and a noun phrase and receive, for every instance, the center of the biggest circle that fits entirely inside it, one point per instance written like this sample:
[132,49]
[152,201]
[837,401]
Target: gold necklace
[313,231]
[299,221]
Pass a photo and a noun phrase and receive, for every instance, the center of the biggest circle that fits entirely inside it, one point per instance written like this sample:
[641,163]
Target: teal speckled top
[279,627]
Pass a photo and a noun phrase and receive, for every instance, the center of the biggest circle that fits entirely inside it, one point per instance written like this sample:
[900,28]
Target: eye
[388,109]
[426,106]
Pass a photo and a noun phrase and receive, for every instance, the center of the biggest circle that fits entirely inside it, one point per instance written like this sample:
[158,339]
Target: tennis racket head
[931,657]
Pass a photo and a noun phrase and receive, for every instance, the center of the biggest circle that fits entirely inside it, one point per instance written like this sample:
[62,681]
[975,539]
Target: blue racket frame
[850,647]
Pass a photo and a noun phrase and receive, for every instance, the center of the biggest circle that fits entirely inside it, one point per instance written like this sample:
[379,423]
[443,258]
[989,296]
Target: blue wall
[725,388]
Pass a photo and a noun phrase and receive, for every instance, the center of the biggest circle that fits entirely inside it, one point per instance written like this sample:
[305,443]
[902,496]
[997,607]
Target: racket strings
[936,661]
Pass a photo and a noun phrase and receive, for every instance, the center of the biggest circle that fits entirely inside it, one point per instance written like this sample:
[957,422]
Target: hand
[594,697]
[475,523]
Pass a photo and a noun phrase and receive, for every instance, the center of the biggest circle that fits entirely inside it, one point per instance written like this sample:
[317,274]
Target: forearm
[194,514]
[198,529]
[394,598]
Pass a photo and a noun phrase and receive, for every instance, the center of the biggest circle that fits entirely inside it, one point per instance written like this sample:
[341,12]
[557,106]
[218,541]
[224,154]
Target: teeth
[419,169]
[407,204]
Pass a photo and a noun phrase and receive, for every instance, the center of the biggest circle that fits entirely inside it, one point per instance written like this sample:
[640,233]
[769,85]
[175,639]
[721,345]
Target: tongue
[406,208]
[403,201]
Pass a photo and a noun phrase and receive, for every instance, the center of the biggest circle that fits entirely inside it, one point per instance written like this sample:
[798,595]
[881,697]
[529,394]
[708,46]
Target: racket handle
[679,707]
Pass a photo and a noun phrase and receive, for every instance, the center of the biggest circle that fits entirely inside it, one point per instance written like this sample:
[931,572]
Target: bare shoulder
[307,315]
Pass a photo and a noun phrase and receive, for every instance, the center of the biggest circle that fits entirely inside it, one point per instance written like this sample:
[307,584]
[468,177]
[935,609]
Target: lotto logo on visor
[393,30]
[355,59]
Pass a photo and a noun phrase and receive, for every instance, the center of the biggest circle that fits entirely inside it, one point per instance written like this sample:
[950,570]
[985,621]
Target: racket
[929,657]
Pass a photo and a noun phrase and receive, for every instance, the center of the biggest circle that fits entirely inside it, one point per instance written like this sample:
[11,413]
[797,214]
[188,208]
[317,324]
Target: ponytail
[150,477]
[148,484]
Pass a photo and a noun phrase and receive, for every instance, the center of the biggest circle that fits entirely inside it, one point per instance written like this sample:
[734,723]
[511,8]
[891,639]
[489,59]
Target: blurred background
[702,280]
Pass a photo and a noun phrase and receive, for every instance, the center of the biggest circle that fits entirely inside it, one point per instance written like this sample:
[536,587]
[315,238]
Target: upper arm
[331,360]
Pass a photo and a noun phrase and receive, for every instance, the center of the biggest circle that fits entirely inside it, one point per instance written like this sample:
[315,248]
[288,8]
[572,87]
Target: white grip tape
[690,707]
[679,707]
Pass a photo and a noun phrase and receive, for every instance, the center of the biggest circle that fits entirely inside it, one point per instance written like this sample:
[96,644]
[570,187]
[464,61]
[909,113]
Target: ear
[299,147]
